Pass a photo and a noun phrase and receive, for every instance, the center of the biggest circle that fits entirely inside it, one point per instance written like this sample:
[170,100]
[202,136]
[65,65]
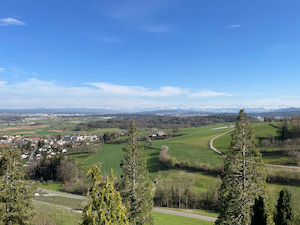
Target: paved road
[161,210]
[211,145]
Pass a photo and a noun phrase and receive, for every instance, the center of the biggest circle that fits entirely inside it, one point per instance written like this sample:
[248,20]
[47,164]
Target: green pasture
[59,200]
[53,215]
[262,130]
[201,212]
[111,155]
[193,146]
[203,181]
[167,219]
[52,186]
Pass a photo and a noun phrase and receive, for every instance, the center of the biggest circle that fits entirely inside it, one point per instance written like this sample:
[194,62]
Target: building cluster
[49,146]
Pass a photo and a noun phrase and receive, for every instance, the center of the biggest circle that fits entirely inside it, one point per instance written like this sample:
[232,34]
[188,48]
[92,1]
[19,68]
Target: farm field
[50,127]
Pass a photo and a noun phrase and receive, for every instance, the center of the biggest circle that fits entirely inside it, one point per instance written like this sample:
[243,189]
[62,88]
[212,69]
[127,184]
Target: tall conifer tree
[15,194]
[104,203]
[135,185]
[284,213]
[243,178]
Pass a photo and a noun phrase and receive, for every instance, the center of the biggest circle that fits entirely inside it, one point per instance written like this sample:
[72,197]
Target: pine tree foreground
[104,206]
[243,178]
[15,194]
[135,185]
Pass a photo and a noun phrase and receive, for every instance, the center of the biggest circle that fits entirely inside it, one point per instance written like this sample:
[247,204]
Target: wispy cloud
[2,70]
[34,93]
[233,26]
[138,91]
[208,93]
[10,21]
[157,29]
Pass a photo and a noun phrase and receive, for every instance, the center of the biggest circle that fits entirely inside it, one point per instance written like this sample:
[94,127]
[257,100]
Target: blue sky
[146,54]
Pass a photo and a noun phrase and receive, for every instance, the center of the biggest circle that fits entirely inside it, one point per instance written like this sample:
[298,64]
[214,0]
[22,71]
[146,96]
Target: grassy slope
[50,215]
[194,146]
[59,200]
[261,131]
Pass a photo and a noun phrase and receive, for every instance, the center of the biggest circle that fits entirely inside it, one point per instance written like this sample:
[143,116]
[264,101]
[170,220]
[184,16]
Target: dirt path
[160,210]
[211,145]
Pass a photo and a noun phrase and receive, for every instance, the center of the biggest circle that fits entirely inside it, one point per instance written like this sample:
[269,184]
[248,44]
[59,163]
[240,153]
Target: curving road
[211,146]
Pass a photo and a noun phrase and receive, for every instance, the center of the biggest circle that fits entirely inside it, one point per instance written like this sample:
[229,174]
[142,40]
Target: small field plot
[166,219]
[203,182]
[59,200]
[108,157]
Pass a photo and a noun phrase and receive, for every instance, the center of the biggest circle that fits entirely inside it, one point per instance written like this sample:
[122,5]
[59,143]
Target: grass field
[51,215]
[53,186]
[194,145]
[166,219]
[58,200]
[262,130]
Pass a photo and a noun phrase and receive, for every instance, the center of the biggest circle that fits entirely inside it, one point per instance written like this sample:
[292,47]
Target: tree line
[154,121]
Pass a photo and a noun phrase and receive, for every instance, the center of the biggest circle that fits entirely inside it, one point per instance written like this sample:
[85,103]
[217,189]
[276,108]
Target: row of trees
[290,128]
[161,122]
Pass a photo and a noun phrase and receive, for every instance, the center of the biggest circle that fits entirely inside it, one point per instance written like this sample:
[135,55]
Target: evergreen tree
[259,216]
[284,214]
[243,178]
[135,185]
[104,203]
[15,194]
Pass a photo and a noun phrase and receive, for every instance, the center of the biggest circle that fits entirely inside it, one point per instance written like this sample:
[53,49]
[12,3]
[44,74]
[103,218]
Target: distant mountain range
[255,111]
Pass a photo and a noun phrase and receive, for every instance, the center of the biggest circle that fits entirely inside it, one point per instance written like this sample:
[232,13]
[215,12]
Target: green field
[52,186]
[166,219]
[194,145]
[51,215]
[59,200]
[262,130]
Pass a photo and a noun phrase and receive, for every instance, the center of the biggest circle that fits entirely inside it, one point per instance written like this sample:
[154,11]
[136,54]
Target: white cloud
[208,93]
[2,83]
[137,91]
[234,26]
[35,93]
[2,70]
[10,21]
